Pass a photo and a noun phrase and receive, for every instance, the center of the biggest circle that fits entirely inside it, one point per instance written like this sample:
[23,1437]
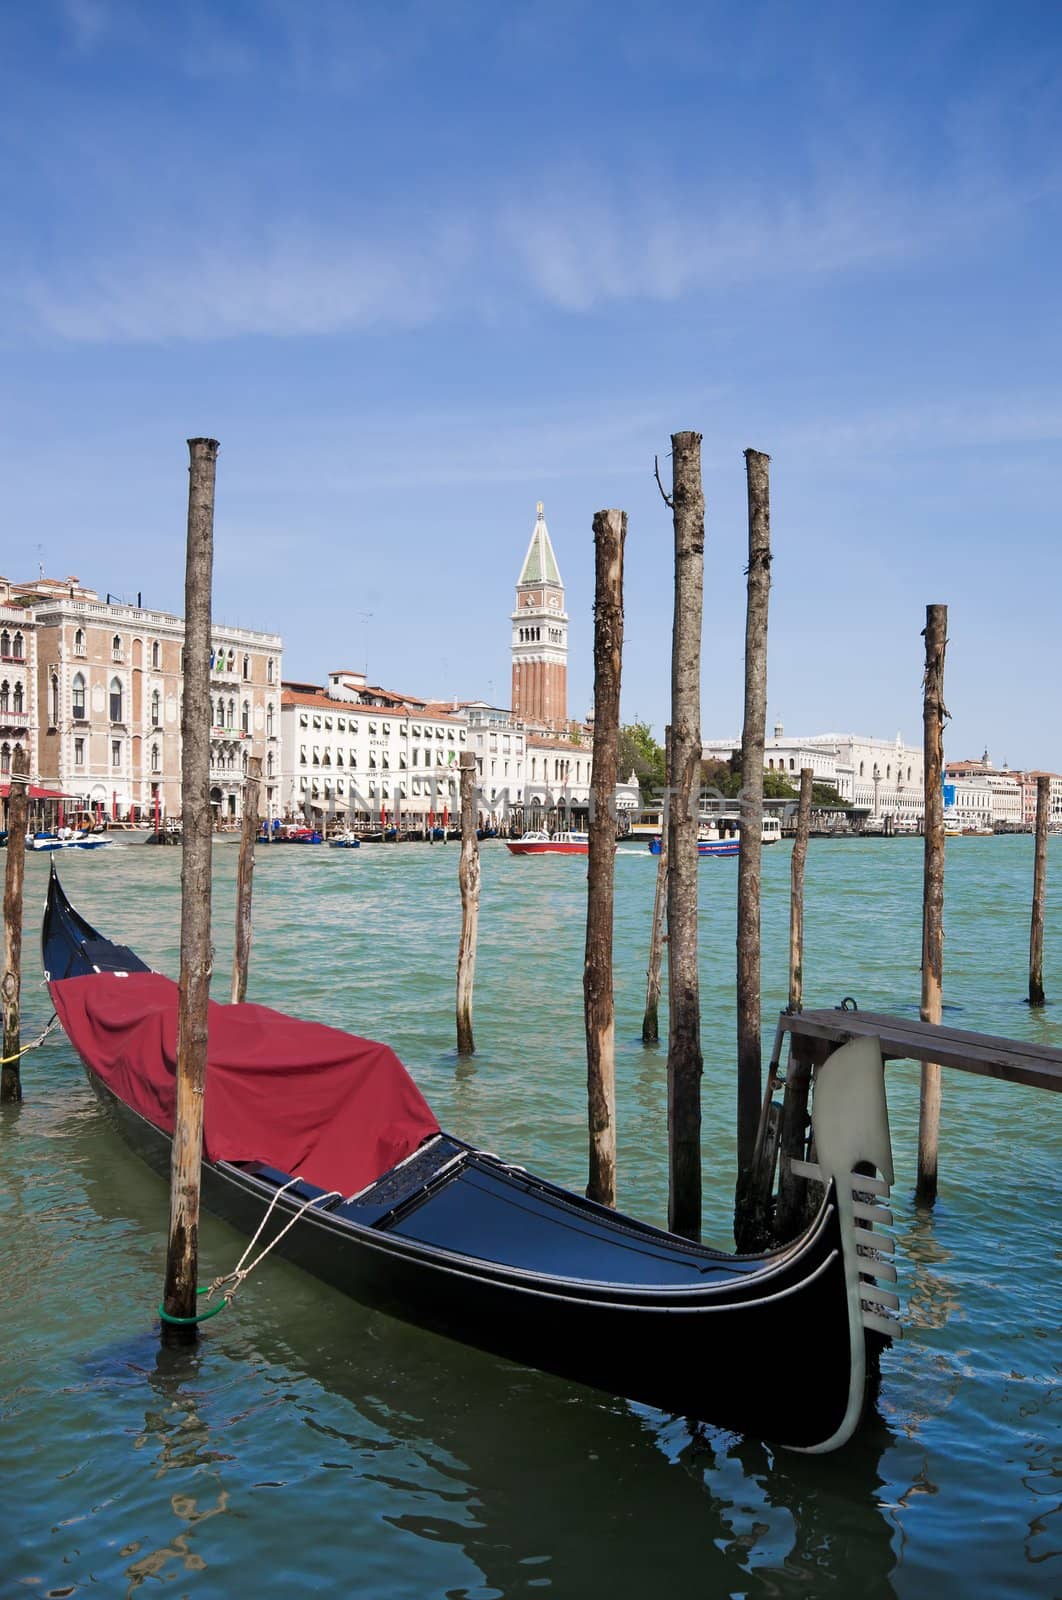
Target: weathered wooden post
[182,1255]
[934,715]
[244,878]
[11,984]
[796,891]
[1036,935]
[749,1019]
[685,1063]
[610,533]
[651,1022]
[468,878]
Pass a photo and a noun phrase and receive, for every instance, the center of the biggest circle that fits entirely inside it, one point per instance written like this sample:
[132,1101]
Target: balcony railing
[14,719]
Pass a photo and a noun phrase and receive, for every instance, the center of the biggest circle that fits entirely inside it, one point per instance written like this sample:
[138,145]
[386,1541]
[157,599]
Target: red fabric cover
[338,1110]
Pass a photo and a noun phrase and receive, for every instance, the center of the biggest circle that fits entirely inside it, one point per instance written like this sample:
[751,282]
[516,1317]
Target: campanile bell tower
[540,636]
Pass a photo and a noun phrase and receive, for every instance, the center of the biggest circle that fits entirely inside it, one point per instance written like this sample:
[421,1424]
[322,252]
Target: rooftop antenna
[40,561]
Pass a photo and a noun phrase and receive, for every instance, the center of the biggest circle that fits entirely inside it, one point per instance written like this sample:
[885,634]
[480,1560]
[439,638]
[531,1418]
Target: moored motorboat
[540,843]
[414,1221]
[345,841]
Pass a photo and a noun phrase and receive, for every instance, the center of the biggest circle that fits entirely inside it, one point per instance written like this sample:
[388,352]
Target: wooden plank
[987,1055]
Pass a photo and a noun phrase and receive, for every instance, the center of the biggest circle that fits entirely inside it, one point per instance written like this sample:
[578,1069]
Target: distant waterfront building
[353,751]
[1054,809]
[18,685]
[882,777]
[986,796]
[540,637]
[109,695]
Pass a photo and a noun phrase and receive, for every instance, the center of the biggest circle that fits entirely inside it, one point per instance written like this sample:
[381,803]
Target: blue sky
[418,266]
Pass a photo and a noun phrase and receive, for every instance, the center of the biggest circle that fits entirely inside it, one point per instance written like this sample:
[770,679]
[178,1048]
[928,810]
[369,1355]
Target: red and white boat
[555,844]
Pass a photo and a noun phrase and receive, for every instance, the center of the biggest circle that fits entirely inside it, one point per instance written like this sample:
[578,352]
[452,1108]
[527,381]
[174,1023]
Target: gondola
[409,1219]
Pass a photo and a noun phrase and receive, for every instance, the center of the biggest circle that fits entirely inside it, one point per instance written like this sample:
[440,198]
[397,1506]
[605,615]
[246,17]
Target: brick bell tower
[540,636]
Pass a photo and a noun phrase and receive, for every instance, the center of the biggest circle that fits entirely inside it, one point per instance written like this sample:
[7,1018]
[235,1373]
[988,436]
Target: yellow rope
[5,1061]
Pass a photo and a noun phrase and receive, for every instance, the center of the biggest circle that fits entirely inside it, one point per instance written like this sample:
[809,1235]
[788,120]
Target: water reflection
[530,1481]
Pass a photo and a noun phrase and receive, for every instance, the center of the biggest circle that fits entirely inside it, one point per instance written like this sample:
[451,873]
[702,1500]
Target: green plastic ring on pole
[202,1316]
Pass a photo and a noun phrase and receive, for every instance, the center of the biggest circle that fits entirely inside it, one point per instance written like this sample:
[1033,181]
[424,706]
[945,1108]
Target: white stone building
[18,687]
[880,777]
[360,762]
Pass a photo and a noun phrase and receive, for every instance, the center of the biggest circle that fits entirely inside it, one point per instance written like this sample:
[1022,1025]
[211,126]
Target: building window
[302,755]
[5,643]
[79,641]
[77,698]
[155,653]
[5,696]
[269,764]
[269,720]
[116,752]
[269,670]
[5,758]
[116,700]
[79,752]
[155,708]
[155,767]
[19,650]
[245,716]
[232,715]
[55,699]
[247,666]
[116,647]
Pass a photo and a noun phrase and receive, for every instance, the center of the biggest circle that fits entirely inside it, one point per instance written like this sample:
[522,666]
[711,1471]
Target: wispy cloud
[574,245]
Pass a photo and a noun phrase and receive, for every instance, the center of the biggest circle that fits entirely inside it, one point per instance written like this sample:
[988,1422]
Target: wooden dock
[906,1039]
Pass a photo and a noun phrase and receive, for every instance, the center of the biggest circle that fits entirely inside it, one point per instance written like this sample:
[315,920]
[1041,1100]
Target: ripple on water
[307,1445]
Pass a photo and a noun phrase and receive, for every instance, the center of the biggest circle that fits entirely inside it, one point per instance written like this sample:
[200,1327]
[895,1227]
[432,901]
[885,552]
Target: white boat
[540,843]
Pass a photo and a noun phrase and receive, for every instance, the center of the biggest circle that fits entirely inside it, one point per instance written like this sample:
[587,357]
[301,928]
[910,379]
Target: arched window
[155,653]
[861,769]
[18,702]
[245,759]
[232,714]
[155,707]
[247,666]
[269,720]
[55,699]
[79,641]
[5,696]
[116,647]
[116,699]
[269,764]
[5,758]
[888,770]
[5,643]
[77,697]
[245,716]
[155,766]
[19,647]
[269,670]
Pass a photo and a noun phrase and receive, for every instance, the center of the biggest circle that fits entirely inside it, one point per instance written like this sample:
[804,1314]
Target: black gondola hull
[705,1344]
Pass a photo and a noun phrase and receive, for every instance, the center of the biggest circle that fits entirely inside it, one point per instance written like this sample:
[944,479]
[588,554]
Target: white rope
[239,1271]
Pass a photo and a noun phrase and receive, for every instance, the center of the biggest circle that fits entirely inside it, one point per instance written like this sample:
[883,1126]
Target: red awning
[37,793]
[306,1098]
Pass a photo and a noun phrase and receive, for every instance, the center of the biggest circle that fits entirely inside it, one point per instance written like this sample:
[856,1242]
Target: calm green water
[307,1446]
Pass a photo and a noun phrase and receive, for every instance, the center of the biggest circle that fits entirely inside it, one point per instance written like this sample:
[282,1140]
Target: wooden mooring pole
[468,878]
[685,1063]
[244,879]
[749,1019]
[610,533]
[182,1255]
[651,1020]
[1036,935]
[796,891]
[934,715]
[11,984]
